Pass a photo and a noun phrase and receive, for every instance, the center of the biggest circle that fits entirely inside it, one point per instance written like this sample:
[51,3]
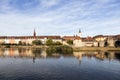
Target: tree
[49,42]
[70,42]
[57,43]
[37,42]
[20,43]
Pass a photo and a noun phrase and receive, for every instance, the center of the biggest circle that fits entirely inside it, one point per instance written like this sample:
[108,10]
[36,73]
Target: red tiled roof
[88,39]
[71,38]
[68,38]
[104,36]
[77,38]
[29,37]
[98,36]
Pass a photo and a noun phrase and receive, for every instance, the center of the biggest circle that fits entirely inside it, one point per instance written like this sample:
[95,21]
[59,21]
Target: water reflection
[98,55]
[36,64]
[41,53]
[22,52]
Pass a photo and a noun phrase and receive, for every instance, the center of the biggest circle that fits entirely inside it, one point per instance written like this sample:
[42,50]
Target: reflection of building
[98,55]
[12,52]
[38,53]
[78,55]
[22,52]
[43,54]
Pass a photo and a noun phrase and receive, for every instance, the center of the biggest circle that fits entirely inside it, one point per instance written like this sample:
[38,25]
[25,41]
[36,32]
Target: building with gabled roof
[27,39]
[78,40]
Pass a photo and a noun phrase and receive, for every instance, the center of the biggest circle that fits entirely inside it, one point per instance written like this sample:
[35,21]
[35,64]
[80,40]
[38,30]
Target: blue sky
[59,17]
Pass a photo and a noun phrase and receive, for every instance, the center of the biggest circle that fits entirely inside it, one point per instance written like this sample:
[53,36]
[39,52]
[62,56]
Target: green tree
[70,42]
[37,42]
[49,42]
[57,43]
[20,43]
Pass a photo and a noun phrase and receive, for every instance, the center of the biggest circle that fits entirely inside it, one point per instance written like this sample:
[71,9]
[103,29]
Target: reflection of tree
[60,49]
[22,52]
[25,52]
[37,52]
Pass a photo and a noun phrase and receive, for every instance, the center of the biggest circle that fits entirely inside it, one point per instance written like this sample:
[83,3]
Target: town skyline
[59,17]
[79,33]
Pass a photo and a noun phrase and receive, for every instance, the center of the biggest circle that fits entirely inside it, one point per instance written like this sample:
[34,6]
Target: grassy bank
[74,48]
[96,49]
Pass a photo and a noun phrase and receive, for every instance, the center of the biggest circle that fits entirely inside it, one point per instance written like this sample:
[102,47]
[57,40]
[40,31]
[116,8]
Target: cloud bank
[59,17]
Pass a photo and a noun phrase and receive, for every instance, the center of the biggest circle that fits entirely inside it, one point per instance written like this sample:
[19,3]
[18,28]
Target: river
[36,64]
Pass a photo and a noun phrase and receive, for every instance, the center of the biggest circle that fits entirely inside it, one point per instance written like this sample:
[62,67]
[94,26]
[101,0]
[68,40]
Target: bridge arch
[106,44]
[117,43]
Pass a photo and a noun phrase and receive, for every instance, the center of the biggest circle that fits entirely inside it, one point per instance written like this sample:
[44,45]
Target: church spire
[79,30]
[80,33]
[34,34]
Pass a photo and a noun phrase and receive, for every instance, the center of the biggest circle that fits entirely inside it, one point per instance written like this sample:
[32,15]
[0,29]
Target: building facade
[78,40]
[27,39]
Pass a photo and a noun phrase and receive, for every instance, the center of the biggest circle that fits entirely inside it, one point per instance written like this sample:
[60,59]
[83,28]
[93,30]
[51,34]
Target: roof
[106,36]
[98,36]
[77,38]
[88,39]
[70,38]
[29,37]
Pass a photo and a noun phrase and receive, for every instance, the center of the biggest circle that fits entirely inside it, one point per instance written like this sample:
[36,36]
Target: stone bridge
[110,42]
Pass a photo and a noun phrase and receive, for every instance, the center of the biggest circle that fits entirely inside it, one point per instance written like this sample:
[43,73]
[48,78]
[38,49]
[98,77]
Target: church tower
[34,34]
[80,33]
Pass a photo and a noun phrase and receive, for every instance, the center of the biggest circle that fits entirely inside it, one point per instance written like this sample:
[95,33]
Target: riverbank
[30,46]
[74,48]
[96,49]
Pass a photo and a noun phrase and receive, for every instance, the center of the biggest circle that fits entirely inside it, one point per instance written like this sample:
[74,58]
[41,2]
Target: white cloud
[65,20]
[49,3]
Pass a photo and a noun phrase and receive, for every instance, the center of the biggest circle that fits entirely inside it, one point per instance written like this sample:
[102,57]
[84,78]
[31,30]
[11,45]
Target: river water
[36,64]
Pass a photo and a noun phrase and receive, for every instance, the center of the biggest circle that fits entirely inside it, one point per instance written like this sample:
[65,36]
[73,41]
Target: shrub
[20,43]
[70,42]
[57,43]
[49,42]
[37,42]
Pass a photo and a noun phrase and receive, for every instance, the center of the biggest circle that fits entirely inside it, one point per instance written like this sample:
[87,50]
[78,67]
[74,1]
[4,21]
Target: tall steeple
[34,34]
[80,33]
[79,30]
